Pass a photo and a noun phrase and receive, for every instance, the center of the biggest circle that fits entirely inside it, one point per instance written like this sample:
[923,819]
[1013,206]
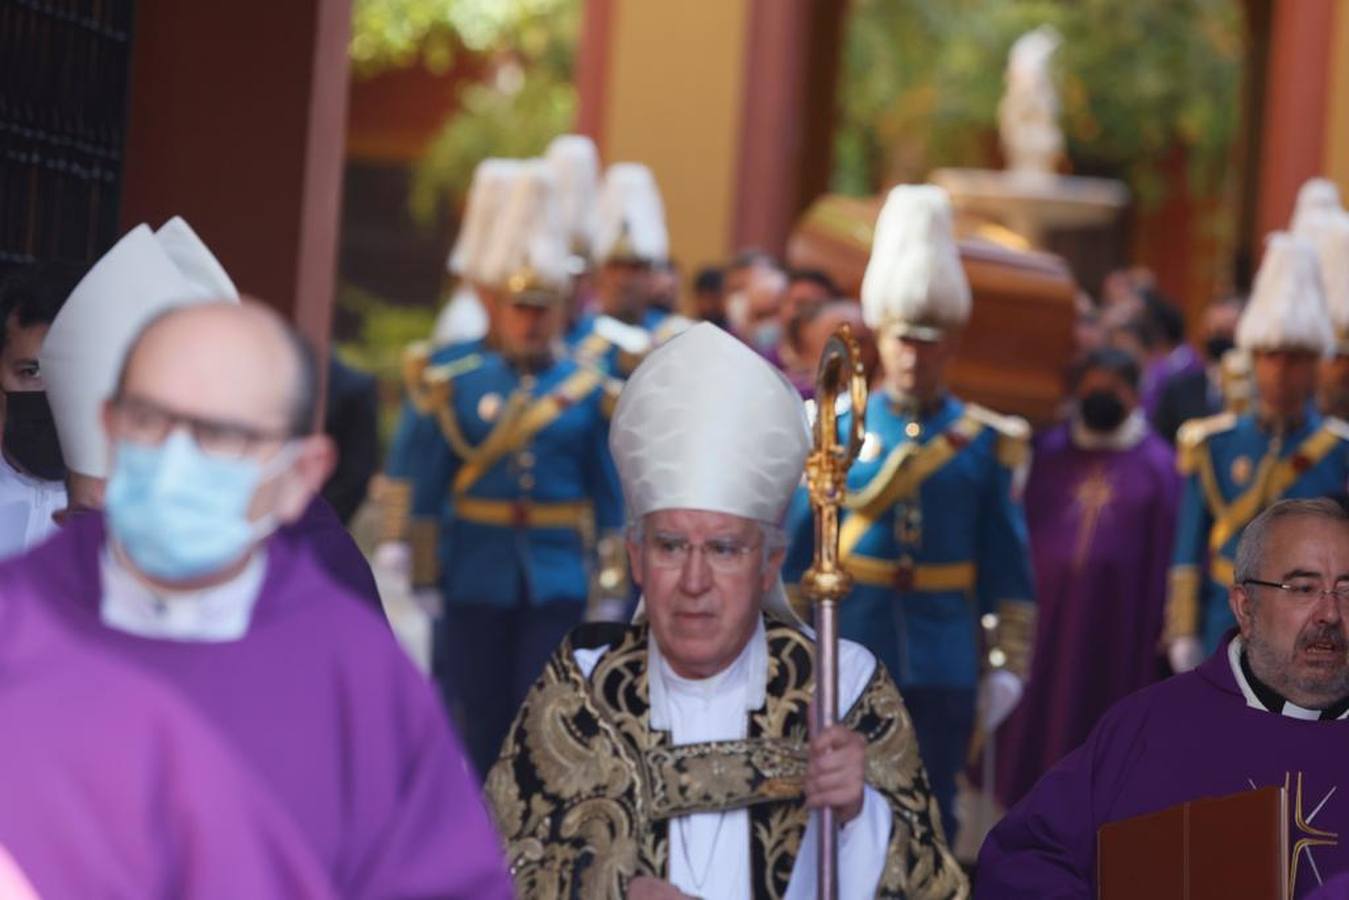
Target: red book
[1217,848]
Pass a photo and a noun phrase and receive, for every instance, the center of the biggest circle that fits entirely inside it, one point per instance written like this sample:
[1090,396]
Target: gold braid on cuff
[1182,602]
[395,506]
[425,566]
[1014,638]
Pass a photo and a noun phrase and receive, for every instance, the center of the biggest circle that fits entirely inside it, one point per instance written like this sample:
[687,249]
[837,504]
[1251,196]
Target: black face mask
[1215,347]
[30,439]
[1102,411]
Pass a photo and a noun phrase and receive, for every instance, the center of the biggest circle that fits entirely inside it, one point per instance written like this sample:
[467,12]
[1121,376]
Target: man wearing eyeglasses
[208,448]
[674,758]
[1268,708]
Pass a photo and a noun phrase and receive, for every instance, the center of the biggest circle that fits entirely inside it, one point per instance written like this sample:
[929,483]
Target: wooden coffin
[1015,353]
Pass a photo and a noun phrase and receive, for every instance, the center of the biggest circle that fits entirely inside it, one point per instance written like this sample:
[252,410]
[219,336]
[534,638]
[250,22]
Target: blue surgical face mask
[181,514]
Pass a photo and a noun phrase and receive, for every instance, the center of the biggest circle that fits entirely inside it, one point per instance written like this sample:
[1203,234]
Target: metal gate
[63,96]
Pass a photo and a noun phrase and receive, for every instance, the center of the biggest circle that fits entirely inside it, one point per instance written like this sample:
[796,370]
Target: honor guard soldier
[463,319]
[1237,465]
[510,486]
[933,531]
[630,238]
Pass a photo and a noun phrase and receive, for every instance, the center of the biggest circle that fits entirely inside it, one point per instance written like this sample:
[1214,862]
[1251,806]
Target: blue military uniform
[935,538]
[1234,468]
[508,482]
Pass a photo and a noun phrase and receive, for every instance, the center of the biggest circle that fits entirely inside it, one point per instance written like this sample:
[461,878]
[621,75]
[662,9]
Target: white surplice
[709,853]
[26,507]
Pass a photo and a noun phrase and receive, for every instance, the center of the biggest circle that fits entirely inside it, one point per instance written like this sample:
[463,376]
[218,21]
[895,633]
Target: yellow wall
[673,93]
[1337,102]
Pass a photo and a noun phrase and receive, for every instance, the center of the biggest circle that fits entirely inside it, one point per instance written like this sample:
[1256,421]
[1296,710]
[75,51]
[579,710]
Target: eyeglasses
[672,551]
[1306,590]
[146,422]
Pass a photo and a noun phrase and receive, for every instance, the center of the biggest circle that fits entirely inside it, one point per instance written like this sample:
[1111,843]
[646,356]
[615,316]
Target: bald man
[212,450]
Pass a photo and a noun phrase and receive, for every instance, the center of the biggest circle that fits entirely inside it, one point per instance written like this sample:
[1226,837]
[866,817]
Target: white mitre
[1316,197]
[576,170]
[1287,309]
[914,278]
[525,254]
[706,423]
[630,224]
[487,193]
[144,274]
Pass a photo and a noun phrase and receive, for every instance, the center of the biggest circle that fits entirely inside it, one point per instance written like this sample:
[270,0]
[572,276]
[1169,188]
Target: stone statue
[1029,111]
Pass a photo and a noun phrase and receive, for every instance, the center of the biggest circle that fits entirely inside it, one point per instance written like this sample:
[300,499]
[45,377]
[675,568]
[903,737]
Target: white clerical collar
[214,614]
[1290,709]
[1126,436]
[749,670]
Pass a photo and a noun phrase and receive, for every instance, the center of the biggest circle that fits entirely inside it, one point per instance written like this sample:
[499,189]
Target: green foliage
[397,34]
[522,100]
[492,122]
[386,331]
[1138,80]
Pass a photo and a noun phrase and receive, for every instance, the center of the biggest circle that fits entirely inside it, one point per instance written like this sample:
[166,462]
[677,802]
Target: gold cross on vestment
[1093,494]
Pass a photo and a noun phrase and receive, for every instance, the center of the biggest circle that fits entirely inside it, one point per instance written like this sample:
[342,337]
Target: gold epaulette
[448,371]
[1192,436]
[1013,434]
[421,379]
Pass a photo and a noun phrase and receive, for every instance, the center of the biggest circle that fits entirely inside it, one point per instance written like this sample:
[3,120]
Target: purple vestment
[322,532]
[1336,888]
[1181,361]
[112,786]
[318,696]
[1101,525]
[1188,737]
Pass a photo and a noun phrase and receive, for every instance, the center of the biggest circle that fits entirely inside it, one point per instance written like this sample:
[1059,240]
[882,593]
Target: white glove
[1184,653]
[999,693]
[393,559]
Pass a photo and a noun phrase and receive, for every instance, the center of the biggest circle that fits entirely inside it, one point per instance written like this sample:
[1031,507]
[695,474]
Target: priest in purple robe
[146,274]
[209,433]
[1267,709]
[1101,506]
[112,786]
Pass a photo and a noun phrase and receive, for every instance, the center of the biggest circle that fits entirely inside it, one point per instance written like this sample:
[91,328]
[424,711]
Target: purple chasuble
[322,532]
[112,786]
[1336,888]
[1101,525]
[321,700]
[1191,736]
